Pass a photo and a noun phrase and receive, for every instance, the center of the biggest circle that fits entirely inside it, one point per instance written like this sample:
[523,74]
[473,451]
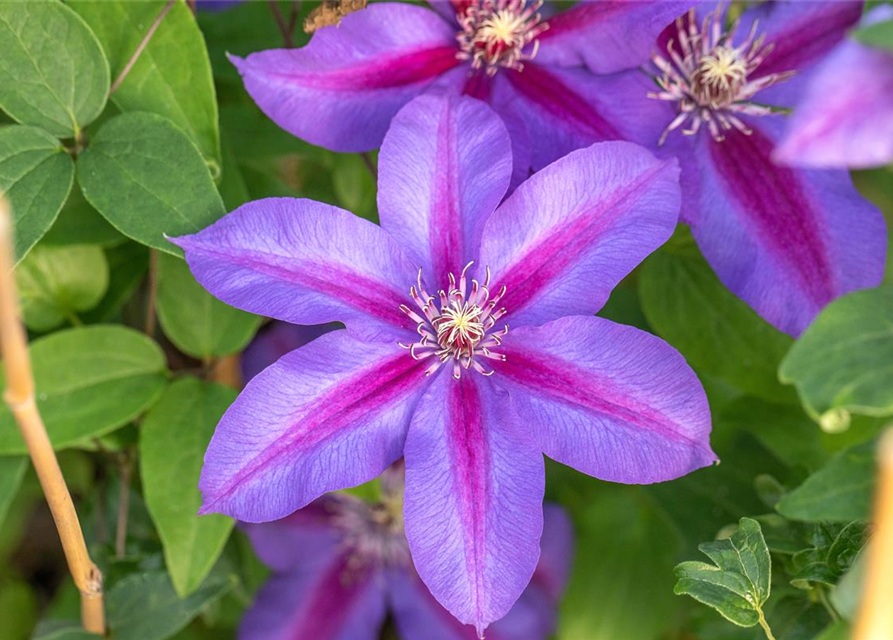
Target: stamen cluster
[456,325]
[495,33]
[709,78]
[373,533]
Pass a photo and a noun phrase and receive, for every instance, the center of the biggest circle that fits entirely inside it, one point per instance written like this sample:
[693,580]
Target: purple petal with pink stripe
[802,33]
[785,241]
[845,118]
[473,506]
[330,415]
[306,263]
[342,89]
[609,400]
[325,599]
[419,616]
[564,239]
[567,109]
[607,35]
[437,191]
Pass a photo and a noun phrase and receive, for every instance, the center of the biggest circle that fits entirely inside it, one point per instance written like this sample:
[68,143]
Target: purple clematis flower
[433,375]
[845,118]
[786,241]
[341,565]
[342,89]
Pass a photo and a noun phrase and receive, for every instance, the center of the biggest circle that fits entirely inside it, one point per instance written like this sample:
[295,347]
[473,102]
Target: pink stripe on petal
[473,504]
[384,72]
[776,207]
[536,84]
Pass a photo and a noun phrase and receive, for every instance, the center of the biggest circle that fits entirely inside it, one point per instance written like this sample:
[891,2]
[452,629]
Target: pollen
[458,326]
[496,33]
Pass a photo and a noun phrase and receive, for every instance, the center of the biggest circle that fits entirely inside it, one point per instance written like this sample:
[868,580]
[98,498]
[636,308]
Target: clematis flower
[341,565]
[427,368]
[845,118]
[786,241]
[342,89]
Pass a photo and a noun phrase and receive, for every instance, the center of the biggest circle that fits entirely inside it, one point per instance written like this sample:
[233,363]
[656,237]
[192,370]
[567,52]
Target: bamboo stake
[19,395]
[875,620]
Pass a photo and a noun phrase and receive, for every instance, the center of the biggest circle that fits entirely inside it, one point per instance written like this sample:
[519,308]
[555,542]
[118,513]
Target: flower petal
[568,235]
[300,539]
[330,415]
[567,109]
[802,33]
[444,166]
[608,35]
[785,241]
[473,499]
[609,400]
[845,118]
[420,617]
[306,263]
[326,598]
[342,89]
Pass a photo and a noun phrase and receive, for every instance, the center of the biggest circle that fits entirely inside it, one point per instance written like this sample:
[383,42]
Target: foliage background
[133,358]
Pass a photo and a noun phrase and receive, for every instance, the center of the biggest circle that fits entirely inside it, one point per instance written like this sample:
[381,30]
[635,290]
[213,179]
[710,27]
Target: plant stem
[370,164]
[19,395]
[141,47]
[287,39]
[765,626]
[875,619]
[125,467]
[149,326]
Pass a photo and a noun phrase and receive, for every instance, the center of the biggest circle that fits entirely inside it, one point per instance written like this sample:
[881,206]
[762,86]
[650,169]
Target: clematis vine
[845,117]
[786,241]
[341,565]
[427,369]
[342,89]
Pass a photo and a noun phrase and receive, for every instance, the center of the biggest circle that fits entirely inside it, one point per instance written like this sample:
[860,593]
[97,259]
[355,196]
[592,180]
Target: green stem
[823,598]
[765,626]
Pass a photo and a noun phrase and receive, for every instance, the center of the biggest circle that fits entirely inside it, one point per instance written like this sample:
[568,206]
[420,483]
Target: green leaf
[173,439]
[149,180]
[12,470]
[56,283]
[718,334]
[79,223]
[36,175]
[830,556]
[844,360]
[783,429]
[879,34]
[621,583]
[62,630]
[171,77]
[840,491]
[90,381]
[354,185]
[738,583]
[128,263]
[52,69]
[197,322]
[146,607]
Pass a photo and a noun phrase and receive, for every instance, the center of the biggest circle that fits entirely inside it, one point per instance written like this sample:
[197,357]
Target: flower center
[710,79]
[373,534]
[457,325]
[496,32]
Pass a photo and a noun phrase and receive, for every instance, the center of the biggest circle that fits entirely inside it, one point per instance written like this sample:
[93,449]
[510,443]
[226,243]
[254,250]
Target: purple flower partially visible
[786,241]
[275,340]
[342,89]
[434,375]
[341,564]
[845,117]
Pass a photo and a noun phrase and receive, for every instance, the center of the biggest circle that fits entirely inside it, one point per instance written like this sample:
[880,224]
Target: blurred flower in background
[342,566]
